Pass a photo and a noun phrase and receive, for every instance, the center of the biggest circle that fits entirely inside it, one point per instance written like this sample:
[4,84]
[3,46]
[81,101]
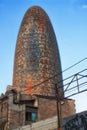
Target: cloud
[84,6]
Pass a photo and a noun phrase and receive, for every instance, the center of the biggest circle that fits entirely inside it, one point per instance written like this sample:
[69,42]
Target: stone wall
[48,124]
[16,113]
[3,110]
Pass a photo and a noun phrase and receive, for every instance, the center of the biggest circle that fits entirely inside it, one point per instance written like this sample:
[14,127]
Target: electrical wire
[56,74]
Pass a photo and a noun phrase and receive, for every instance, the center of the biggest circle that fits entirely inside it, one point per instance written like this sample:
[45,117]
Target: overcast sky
[69,20]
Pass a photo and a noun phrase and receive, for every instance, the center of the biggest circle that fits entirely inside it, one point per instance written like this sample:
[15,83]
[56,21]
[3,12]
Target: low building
[19,110]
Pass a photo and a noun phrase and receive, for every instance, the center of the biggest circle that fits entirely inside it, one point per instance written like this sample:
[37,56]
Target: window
[31,114]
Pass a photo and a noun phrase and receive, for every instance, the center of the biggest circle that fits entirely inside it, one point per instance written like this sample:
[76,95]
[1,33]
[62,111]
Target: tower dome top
[37,55]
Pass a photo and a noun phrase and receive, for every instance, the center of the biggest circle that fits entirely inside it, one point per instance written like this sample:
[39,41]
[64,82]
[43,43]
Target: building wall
[16,113]
[13,113]
[67,108]
[75,122]
[3,111]
[47,108]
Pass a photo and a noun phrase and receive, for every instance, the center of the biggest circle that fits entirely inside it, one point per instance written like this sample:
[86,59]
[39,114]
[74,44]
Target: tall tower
[37,59]
[37,69]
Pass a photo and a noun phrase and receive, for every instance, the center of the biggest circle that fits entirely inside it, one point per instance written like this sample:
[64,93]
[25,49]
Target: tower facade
[37,59]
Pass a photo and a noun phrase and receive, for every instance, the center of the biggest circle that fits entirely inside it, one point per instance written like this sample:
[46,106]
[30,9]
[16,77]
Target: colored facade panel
[37,56]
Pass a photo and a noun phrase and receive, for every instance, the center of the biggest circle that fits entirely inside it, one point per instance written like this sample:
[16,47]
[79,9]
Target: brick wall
[48,108]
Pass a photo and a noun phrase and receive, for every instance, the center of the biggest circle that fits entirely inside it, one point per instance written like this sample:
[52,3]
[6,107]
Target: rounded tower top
[36,56]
